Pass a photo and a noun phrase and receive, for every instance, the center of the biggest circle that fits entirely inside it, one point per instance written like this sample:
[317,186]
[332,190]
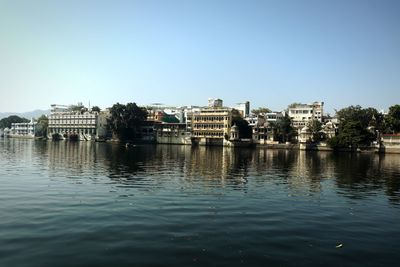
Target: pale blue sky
[271,53]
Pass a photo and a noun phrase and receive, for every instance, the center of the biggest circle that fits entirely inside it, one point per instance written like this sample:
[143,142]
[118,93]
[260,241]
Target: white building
[301,114]
[274,116]
[23,129]
[71,123]
[244,109]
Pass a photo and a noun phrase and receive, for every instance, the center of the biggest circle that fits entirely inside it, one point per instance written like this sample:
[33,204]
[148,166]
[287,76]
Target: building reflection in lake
[353,175]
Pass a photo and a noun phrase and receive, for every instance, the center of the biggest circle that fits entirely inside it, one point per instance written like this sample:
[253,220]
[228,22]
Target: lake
[100,204]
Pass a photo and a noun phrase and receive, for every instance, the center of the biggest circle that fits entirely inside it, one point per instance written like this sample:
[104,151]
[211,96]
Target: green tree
[125,120]
[356,127]
[245,130]
[42,125]
[260,110]
[392,119]
[283,130]
[96,109]
[77,108]
[6,122]
[315,127]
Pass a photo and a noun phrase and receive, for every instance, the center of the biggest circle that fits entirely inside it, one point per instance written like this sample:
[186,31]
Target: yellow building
[212,125]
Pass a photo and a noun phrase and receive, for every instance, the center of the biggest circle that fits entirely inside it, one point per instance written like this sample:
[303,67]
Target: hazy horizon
[271,53]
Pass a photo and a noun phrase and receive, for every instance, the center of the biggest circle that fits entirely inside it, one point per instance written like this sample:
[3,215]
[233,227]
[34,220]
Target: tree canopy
[392,119]
[315,127]
[356,127]
[245,130]
[96,109]
[124,120]
[42,125]
[6,122]
[260,110]
[283,129]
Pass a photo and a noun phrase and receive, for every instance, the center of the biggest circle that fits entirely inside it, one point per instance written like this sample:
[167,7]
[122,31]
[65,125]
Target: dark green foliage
[245,131]
[357,127]
[315,127]
[283,130]
[260,111]
[42,125]
[6,122]
[125,120]
[392,120]
[77,108]
[96,109]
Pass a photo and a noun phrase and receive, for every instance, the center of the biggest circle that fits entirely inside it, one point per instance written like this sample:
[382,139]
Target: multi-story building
[172,133]
[301,114]
[68,122]
[274,116]
[212,125]
[23,129]
[244,109]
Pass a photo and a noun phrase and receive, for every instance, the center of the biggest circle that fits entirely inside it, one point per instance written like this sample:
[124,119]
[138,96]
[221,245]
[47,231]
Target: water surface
[96,204]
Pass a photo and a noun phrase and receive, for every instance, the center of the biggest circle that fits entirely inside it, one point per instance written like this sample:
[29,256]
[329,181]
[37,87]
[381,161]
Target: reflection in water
[99,204]
[355,175]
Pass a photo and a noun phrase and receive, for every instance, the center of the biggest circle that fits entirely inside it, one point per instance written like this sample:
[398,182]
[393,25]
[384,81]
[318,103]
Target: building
[211,126]
[172,133]
[215,103]
[23,129]
[244,109]
[274,116]
[301,114]
[72,122]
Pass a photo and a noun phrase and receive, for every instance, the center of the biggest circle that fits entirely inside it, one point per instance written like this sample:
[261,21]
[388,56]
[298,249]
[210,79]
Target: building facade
[66,123]
[244,109]
[212,125]
[215,103]
[301,114]
[23,129]
[172,133]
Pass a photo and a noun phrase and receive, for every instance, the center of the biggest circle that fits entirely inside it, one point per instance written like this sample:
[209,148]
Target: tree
[260,110]
[6,122]
[315,127]
[283,129]
[125,120]
[96,109]
[245,130]
[392,119]
[77,108]
[356,127]
[42,125]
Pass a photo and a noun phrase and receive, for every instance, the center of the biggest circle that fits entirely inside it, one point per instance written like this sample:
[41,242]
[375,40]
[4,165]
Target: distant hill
[28,115]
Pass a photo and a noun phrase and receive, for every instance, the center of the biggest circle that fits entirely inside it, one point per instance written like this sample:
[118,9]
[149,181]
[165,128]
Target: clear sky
[182,52]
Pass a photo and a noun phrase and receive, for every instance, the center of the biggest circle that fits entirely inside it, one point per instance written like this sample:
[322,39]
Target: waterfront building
[390,143]
[172,133]
[301,114]
[23,129]
[212,125]
[72,122]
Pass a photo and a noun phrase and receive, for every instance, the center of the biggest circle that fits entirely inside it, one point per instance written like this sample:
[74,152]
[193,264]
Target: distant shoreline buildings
[191,125]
